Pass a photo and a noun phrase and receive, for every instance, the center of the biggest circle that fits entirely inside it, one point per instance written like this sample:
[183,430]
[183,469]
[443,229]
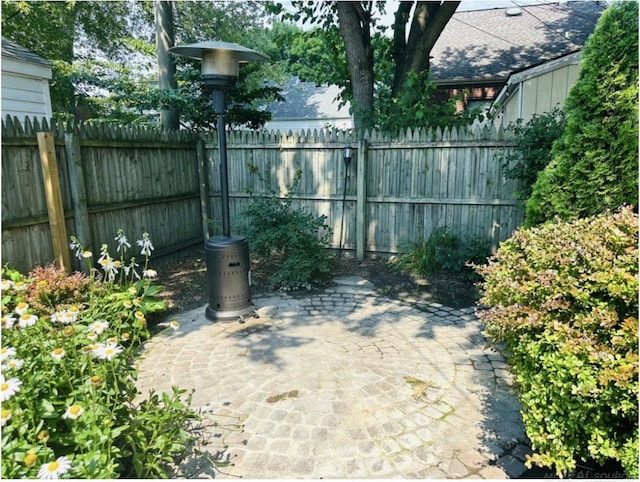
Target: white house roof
[14,51]
[20,61]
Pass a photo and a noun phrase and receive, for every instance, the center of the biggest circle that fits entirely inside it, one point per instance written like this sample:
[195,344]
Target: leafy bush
[442,251]
[68,377]
[292,239]
[563,299]
[595,161]
[417,106]
[532,150]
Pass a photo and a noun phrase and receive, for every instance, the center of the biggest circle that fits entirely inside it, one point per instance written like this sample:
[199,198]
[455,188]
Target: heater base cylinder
[228,278]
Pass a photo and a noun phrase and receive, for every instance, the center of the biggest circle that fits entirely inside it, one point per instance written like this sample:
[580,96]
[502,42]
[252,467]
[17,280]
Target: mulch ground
[183,276]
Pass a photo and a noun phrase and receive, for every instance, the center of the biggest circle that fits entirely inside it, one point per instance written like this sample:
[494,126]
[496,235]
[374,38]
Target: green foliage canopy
[318,55]
[52,30]
[104,64]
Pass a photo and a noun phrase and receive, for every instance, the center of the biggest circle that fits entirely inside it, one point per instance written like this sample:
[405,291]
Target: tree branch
[429,20]
[401,18]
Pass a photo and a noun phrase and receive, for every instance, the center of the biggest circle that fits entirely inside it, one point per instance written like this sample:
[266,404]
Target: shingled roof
[306,100]
[491,44]
[14,51]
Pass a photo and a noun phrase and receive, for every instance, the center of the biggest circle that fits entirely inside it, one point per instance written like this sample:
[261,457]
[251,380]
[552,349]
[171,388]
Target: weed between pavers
[419,388]
[282,396]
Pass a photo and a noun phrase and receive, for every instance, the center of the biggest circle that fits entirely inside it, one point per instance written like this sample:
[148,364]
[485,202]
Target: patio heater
[228,266]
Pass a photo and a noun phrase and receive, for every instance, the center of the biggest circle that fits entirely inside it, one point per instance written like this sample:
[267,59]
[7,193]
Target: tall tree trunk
[355,29]
[163,12]
[412,54]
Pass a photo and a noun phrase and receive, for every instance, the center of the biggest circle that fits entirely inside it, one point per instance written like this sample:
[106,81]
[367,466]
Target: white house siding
[25,89]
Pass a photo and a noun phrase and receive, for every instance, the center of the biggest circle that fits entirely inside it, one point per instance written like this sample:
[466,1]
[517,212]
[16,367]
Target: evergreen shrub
[562,300]
[595,161]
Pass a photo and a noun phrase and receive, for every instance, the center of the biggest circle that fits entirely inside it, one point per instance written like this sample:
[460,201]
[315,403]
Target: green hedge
[562,300]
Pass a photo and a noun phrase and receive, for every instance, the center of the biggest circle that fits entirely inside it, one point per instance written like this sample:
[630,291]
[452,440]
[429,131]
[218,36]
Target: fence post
[361,200]
[201,155]
[55,208]
[78,194]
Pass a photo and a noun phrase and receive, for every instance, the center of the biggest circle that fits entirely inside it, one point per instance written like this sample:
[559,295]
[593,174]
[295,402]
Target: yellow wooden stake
[51,180]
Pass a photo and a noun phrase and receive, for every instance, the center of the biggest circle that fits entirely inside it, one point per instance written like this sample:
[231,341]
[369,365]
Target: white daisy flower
[98,326]
[58,353]
[21,308]
[108,351]
[20,286]
[149,273]
[6,284]
[4,418]
[174,325]
[7,352]
[73,412]
[65,316]
[8,388]
[53,470]
[8,321]
[13,364]
[110,268]
[87,254]
[92,335]
[27,320]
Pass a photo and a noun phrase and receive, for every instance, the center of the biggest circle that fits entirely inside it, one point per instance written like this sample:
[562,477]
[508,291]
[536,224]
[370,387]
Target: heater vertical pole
[220,106]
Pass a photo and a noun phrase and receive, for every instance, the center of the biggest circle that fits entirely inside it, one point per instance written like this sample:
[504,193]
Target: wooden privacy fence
[398,189]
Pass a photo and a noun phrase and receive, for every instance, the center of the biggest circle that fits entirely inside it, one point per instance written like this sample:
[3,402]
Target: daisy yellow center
[21,305]
[5,413]
[75,410]
[53,466]
[5,386]
[95,379]
[58,351]
[4,350]
[26,316]
[109,351]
